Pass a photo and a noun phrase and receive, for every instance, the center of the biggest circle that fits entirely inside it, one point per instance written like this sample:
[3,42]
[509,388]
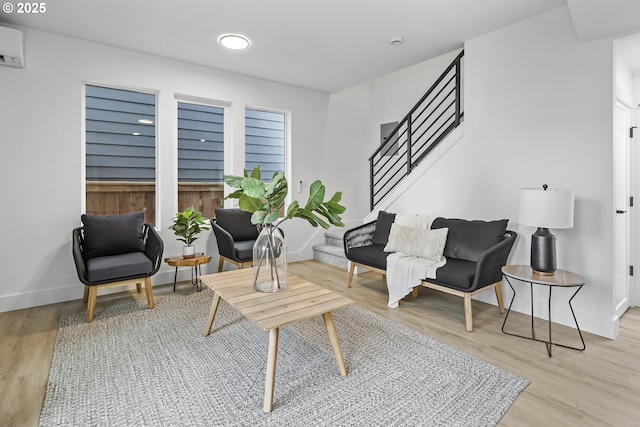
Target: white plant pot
[188,251]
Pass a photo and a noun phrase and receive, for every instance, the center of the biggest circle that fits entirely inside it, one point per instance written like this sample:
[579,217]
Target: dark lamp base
[543,252]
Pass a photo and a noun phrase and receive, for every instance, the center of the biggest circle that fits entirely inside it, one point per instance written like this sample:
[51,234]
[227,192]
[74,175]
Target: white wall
[348,119]
[624,81]
[635,87]
[41,167]
[542,104]
[538,110]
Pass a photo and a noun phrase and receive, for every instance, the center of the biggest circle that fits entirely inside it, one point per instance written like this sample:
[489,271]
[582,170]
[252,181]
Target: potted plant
[265,201]
[187,225]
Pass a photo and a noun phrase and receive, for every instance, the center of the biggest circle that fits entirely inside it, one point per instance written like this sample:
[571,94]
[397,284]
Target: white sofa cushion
[417,242]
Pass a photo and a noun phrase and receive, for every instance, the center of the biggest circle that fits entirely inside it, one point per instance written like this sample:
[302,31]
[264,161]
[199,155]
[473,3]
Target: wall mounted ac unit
[11,47]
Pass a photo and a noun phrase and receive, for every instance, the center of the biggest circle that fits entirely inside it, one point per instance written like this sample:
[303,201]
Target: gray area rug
[138,367]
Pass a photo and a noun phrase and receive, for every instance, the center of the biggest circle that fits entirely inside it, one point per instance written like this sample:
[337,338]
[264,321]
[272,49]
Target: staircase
[332,251]
[428,123]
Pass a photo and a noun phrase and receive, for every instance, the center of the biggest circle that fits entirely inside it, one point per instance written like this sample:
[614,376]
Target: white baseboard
[75,291]
[41,297]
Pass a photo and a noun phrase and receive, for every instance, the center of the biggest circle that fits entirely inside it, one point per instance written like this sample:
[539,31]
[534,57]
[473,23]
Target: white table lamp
[545,208]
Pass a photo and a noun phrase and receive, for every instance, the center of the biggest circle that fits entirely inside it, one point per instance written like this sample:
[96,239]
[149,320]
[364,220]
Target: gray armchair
[235,235]
[115,250]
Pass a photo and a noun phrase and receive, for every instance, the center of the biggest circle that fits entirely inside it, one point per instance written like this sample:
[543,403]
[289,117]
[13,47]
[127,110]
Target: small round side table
[194,263]
[561,278]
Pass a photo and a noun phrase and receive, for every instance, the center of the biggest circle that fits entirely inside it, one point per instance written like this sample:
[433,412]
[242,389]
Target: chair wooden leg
[467,312]
[414,292]
[498,289]
[351,270]
[85,298]
[147,288]
[220,263]
[139,287]
[93,293]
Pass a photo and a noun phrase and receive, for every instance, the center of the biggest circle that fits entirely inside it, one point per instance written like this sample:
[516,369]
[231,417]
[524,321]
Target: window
[200,157]
[120,152]
[264,141]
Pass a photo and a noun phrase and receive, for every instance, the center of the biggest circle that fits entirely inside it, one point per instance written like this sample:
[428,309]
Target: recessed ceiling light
[136,133]
[145,121]
[234,41]
[202,140]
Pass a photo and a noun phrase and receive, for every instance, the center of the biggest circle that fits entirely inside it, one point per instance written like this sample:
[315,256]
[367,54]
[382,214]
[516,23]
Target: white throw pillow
[417,242]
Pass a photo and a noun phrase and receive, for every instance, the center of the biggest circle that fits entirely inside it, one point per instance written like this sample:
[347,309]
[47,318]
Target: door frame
[634,172]
[623,247]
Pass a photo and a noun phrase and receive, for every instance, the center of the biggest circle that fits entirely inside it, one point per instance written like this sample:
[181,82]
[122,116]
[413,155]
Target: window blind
[264,141]
[120,135]
[200,143]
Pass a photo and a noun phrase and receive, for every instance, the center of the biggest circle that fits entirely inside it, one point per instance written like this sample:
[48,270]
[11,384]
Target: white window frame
[227,147]
[83,142]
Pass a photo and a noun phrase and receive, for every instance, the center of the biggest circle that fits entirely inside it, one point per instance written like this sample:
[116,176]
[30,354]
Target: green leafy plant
[265,201]
[188,224]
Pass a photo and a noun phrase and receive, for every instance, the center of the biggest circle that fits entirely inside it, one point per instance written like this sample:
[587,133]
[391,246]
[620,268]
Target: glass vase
[269,261]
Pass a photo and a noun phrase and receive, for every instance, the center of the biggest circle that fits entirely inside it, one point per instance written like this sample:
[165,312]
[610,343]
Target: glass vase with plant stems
[265,201]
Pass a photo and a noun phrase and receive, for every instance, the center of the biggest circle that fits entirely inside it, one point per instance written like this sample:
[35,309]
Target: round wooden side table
[561,279]
[194,263]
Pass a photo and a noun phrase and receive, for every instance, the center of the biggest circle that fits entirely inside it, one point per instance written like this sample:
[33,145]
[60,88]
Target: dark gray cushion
[118,267]
[237,223]
[383,227]
[467,240]
[457,272]
[112,234]
[244,250]
[372,255]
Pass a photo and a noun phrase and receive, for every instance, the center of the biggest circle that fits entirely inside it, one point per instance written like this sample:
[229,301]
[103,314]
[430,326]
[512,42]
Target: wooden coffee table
[301,300]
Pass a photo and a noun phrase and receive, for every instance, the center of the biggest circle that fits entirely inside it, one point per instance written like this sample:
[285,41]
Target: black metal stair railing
[434,116]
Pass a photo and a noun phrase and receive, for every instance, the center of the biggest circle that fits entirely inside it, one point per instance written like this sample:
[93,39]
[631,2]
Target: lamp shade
[546,208]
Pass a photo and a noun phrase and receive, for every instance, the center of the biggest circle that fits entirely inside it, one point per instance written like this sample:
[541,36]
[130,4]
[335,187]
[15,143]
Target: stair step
[335,238]
[330,254]
[337,233]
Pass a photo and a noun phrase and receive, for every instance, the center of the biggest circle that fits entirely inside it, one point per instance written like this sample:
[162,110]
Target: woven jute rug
[138,367]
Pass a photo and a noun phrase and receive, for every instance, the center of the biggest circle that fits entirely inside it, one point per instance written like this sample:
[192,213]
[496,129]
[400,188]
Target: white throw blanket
[404,271]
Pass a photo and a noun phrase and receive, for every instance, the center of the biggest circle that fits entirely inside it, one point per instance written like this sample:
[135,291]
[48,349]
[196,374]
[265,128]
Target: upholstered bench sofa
[475,252]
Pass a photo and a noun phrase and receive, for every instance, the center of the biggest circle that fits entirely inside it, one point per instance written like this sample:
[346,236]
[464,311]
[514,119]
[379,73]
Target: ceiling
[326,45]
[594,19]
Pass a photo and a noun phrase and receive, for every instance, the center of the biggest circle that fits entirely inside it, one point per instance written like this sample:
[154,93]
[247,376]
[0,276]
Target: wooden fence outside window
[117,197]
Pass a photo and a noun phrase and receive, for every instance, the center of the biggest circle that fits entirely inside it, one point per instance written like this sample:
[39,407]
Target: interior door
[621,263]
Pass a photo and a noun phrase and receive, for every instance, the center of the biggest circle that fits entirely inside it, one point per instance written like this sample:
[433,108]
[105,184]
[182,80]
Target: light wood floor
[597,387]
